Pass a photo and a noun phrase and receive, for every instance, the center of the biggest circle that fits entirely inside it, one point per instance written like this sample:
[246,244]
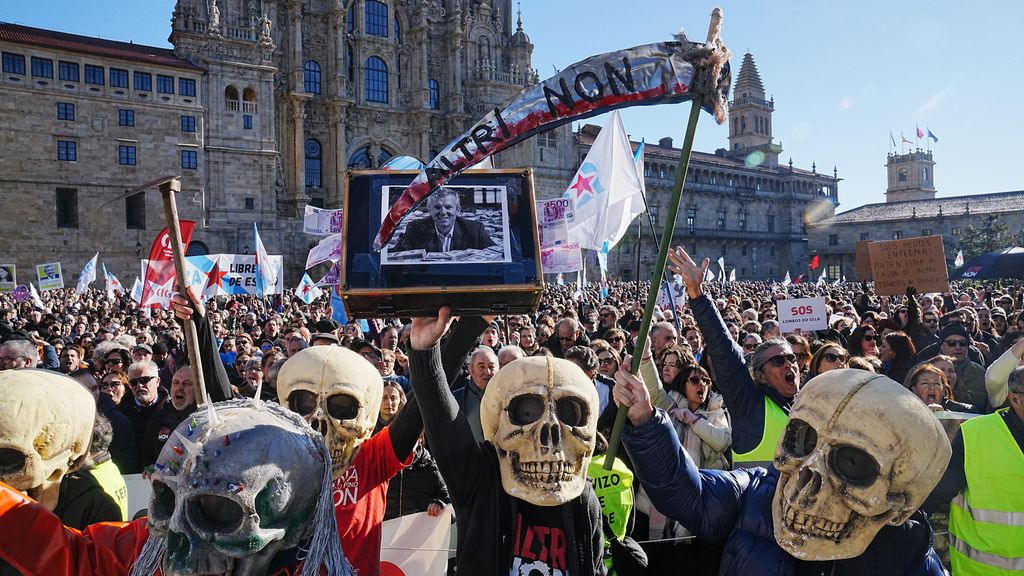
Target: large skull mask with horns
[541,416]
[859,452]
[338,392]
[46,422]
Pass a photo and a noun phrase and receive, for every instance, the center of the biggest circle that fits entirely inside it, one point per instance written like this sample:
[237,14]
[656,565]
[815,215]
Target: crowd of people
[717,365]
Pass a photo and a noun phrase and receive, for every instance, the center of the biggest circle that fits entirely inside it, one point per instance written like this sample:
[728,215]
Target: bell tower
[911,176]
[750,117]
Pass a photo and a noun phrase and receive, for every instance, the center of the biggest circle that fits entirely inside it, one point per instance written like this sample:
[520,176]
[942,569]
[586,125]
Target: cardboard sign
[49,276]
[917,262]
[807,314]
[8,277]
[862,260]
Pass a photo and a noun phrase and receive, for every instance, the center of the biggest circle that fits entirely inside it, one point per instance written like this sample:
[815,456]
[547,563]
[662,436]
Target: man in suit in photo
[446,230]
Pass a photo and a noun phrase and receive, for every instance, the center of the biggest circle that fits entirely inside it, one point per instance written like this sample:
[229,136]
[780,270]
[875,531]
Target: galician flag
[265,276]
[821,280]
[709,275]
[137,290]
[732,275]
[786,281]
[721,264]
[113,284]
[606,189]
[88,275]
[307,291]
[959,261]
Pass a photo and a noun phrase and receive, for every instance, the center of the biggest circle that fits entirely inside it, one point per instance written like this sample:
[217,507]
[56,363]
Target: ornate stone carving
[214,18]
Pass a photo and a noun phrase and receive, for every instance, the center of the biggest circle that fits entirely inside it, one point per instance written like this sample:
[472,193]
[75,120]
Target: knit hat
[954,329]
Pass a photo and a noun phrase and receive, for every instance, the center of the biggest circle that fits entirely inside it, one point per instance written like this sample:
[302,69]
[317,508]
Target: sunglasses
[780,360]
[615,339]
[830,357]
[869,337]
[606,360]
[113,361]
[932,321]
[956,343]
[140,380]
[749,346]
[697,380]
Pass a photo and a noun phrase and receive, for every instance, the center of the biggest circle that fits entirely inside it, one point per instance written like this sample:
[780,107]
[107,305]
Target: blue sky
[843,73]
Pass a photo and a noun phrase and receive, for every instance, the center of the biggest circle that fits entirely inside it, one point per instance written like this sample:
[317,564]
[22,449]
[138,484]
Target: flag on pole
[36,300]
[158,274]
[137,290]
[798,279]
[638,159]
[892,139]
[307,291]
[265,275]
[815,262]
[721,264]
[836,282]
[338,313]
[904,138]
[732,275]
[560,280]
[920,134]
[709,275]
[821,280]
[933,136]
[606,189]
[113,284]
[578,294]
[786,281]
[959,261]
[88,275]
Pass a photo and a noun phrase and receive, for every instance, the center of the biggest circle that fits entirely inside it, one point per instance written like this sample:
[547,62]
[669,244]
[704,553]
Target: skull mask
[46,422]
[541,416]
[338,392]
[859,452]
[228,497]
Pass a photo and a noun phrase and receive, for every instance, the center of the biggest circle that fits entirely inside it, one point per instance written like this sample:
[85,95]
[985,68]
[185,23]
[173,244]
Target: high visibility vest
[986,520]
[764,453]
[109,478]
[613,490]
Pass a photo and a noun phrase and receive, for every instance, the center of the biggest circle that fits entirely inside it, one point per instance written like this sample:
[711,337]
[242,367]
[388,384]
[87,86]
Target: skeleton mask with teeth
[46,424]
[228,496]
[541,416]
[338,392]
[859,452]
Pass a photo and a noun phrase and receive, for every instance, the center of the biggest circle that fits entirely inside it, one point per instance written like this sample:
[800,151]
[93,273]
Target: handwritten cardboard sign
[917,262]
[862,260]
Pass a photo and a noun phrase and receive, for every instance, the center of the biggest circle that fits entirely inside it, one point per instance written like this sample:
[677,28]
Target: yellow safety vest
[986,520]
[774,424]
[109,478]
[613,490]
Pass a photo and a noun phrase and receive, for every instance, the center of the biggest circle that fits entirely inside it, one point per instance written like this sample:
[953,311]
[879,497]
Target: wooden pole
[168,190]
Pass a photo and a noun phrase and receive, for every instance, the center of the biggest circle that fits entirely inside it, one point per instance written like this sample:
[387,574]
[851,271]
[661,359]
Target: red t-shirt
[359,498]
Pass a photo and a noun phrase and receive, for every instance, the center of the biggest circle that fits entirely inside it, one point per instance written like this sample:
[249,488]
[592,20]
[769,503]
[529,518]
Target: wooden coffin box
[488,264]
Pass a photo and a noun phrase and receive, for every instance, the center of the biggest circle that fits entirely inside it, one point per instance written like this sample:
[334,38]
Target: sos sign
[803,313]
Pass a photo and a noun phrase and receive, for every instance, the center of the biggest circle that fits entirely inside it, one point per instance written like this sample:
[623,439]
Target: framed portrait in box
[471,245]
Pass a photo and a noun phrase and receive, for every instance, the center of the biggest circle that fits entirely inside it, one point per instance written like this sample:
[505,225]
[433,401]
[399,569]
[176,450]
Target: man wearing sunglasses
[758,394]
[145,399]
[970,382]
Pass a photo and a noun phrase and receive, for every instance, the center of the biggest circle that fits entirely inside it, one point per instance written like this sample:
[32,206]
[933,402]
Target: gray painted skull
[228,497]
[859,452]
[541,416]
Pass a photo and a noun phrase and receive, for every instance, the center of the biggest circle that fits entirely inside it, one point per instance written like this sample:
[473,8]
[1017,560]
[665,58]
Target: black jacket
[484,511]
[422,234]
[123,449]
[415,487]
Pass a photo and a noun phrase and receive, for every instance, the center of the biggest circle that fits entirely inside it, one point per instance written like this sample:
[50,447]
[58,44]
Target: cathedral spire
[749,79]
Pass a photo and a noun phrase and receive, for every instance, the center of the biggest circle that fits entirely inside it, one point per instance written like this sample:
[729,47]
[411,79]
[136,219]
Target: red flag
[799,279]
[814,262]
[160,272]
[919,133]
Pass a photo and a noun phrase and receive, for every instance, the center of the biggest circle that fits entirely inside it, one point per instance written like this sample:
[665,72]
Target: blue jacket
[734,509]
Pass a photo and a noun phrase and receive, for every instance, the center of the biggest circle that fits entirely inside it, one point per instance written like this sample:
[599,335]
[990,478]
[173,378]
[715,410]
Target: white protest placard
[49,276]
[807,314]
[320,221]
[562,258]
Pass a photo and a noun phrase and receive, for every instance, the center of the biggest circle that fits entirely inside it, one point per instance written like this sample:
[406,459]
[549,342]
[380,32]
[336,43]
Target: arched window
[351,62]
[312,77]
[360,159]
[924,174]
[435,94]
[902,175]
[376,80]
[376,18]
[249,101]
[231,98]
[398,29]
[484,49]
[351,18]
[313,154]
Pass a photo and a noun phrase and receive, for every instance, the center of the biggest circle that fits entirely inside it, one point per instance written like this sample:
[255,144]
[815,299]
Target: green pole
[659,272]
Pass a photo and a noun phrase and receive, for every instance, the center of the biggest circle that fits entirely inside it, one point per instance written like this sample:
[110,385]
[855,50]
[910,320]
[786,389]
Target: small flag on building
[933,136]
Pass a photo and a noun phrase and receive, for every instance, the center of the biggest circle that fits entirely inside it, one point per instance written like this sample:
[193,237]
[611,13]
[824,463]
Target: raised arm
[215,377]
[998,374]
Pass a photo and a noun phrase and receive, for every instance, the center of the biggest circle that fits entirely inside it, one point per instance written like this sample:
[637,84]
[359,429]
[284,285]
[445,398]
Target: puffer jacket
[734,509]
[713,430]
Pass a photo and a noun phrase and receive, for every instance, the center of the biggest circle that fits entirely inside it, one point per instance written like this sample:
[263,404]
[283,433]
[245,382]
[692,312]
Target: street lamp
[245,249]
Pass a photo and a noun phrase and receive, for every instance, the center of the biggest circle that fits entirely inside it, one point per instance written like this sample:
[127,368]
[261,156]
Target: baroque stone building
[284,96]
[738,203]
[911,209]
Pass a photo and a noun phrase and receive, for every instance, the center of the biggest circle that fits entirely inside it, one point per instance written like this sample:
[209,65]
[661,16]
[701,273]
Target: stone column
[298,156]
[335,159]
[337,39]
[294,8]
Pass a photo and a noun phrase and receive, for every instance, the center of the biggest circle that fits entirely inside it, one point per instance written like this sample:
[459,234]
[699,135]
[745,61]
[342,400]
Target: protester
[830,356]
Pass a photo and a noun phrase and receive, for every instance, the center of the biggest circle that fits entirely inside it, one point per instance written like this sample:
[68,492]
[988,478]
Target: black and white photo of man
[458,224]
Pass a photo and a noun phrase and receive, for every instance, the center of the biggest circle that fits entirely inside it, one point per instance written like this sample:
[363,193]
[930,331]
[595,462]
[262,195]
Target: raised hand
[680,263]
[631,391]
[185,308]
[428,331]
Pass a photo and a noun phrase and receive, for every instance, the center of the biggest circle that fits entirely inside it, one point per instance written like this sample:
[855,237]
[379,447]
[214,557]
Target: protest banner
[862,260]
[49,276]
[8,277]
[321,222]
[416,544]
[328,249]
[562,258]
[807,314]
[918,262]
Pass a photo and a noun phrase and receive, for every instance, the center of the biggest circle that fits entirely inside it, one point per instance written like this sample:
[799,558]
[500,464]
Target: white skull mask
[228,497]
[859,452]
[338,392]
[541,416]
[46,422]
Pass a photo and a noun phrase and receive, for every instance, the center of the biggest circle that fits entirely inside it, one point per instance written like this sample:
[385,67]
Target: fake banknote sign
[661,73]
